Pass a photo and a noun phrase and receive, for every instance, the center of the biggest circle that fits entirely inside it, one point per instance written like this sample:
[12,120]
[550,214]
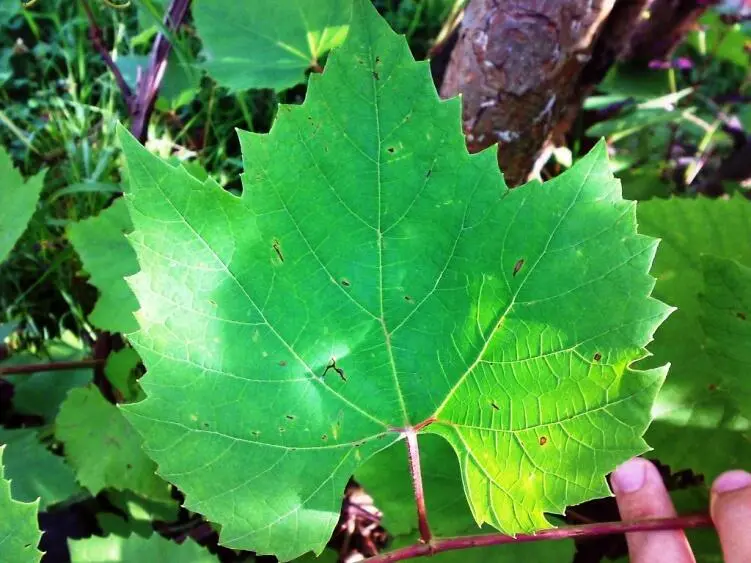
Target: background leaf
[18,526]
[108,258]
[103,448]
[135,549]
[693,399]
[18,200]
[265,43]
[34,471]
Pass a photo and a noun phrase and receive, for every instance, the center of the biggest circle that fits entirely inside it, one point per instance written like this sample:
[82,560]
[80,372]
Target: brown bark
[668,23]
[524,67]
[517,64]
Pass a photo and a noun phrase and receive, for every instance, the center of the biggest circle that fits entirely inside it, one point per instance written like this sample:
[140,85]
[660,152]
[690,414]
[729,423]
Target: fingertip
[730,507]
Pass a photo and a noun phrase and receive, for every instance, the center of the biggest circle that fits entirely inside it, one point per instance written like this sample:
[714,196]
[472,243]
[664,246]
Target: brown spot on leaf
[712,387]
[543,440]
[345,282]
[518,266]
[282,363]
[597,357]
[741,315]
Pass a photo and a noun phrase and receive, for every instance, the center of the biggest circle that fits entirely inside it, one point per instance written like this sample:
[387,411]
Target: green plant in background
[368,295]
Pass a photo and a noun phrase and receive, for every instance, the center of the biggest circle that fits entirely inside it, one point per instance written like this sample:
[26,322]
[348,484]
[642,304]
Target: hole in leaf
[337,369]
[597,357]
[129,466]
[391,150]
[278,249]
[377,59]
[212,303]
[518,266]
[408,299]
[205,425]
[255,433]
[496,407]
[345,282]
[325,437]
[281,430]
[289,416]
[428,173]
[741,315]
[712,387]
[543,440]
[375,75]
[282,363]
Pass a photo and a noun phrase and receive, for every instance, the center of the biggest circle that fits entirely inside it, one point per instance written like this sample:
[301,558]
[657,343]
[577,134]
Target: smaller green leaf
[135,549]
[18,525]
[120,370]
[18,200]
[266,43]
[34,471]
[106,255]
[136,514]
[620,127]
[726,319]
[103,448]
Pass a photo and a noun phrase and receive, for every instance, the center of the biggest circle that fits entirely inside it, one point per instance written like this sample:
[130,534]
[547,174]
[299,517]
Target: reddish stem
[414,468]
[569,532]
[51,366]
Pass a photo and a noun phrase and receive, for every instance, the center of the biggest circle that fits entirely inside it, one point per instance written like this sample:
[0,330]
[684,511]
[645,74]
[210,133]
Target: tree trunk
[523,67]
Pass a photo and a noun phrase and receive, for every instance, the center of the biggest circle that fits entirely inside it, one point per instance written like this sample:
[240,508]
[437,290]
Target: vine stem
[414,468]
[569,532]
[51,366]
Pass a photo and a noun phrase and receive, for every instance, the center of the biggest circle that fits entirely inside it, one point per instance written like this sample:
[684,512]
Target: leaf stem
[50,366]
[414,468]
[568,532]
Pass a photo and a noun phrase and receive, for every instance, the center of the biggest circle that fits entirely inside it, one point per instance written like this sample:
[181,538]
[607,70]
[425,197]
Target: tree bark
[524,67]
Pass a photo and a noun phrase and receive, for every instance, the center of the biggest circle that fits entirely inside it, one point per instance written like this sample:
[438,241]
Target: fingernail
[732,481]
[630,476]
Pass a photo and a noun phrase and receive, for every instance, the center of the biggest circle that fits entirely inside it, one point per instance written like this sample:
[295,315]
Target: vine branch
[569,532]
[50,366]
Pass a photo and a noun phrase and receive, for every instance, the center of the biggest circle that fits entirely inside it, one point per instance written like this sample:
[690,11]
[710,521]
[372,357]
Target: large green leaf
[693,399]
[34,471]
[135,549]
[103,448]
[19,532]
[106,255]
[267,43]
[18,200]
[386,478]
[375,277]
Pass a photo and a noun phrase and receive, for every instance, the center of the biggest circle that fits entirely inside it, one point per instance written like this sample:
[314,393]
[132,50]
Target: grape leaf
[18,200]
[43,392]
[386,478]
[266,43]
[725,312]
[135,514]
[19,532]
[106,255]
[34,471]
[137,549]
[103,448]
[692,399]
[373,278]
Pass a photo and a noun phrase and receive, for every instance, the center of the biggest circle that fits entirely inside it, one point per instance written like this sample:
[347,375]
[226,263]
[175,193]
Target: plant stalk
[569,532]
[414,468]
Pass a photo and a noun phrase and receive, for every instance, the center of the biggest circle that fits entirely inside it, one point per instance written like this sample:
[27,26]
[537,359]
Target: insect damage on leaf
[401,303]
